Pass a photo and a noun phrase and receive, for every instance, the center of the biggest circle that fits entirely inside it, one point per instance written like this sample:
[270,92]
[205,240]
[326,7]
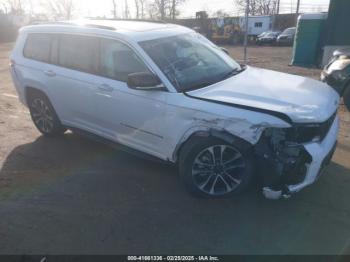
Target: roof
[129,25]
[313,16]
[137,29]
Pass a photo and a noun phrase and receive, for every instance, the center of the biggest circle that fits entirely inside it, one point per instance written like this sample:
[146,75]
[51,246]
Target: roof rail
[129,19]
[90,25]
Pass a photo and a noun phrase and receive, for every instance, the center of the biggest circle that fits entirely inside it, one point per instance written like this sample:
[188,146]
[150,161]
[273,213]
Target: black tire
[346,97]
[188,167]
[43,114]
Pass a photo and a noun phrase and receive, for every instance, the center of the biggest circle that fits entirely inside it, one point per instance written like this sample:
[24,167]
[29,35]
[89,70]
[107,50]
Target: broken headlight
[294,135]
[302,133]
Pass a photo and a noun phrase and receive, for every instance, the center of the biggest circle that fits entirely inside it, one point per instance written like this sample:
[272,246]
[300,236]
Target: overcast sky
[188,9]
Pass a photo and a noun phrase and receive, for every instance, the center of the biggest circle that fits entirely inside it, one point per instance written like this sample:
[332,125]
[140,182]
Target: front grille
[304,133]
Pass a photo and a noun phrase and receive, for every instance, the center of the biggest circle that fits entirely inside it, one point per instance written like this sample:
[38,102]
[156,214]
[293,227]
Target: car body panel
[268,37]
[302,99]
[159,122]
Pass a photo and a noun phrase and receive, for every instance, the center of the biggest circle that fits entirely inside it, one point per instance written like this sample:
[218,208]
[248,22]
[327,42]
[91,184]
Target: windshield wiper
[200,85]
[233,72]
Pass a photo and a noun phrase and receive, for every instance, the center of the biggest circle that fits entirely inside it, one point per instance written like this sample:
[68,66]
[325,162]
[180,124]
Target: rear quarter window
[37,47]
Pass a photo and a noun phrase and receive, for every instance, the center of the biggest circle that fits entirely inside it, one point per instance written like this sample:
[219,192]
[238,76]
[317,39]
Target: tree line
[67,9]
[142,9]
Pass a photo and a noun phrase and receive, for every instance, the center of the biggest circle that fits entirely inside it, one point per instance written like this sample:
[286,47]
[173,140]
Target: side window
[79,53]
[118,60]
[37,47]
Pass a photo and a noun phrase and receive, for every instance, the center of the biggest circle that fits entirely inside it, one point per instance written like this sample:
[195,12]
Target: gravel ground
[70,195]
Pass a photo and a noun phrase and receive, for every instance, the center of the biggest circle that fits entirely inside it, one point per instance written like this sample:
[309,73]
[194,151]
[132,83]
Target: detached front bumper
[321,153]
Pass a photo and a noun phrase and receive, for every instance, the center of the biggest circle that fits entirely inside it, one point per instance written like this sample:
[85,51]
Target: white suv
[167,91]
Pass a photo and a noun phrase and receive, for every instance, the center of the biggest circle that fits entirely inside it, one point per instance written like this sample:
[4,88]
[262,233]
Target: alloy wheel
[42,115]
[218,170]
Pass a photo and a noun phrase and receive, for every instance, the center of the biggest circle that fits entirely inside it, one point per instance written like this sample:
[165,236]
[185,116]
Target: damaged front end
[285,156]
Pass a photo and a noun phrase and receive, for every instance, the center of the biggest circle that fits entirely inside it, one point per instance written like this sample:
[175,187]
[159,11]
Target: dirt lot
[74,196]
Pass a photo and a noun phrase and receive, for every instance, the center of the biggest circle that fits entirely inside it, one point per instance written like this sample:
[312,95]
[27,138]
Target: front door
[131,117]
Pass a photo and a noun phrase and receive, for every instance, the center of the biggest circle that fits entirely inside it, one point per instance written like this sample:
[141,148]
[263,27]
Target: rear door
[71,79]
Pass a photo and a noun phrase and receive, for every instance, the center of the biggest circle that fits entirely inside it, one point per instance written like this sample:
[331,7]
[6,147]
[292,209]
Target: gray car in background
[287,36]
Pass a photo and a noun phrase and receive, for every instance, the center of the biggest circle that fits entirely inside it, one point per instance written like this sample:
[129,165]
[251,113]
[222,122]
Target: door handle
[105,87]
[49,73]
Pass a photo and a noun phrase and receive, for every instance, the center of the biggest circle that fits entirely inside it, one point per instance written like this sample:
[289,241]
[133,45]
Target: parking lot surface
[70,195]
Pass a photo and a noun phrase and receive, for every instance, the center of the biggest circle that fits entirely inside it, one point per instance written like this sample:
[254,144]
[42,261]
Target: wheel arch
[215,133]
[29,90]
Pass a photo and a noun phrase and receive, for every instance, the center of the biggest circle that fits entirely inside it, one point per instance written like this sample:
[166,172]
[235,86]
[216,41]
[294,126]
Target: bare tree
[142,8]
[257,7]
[60,9]
[4,8]
[13,6]
[157,8]
[114,9]
[137,6]
[126,9]
[267,7]
[174,12]
[31,8]
[164,9]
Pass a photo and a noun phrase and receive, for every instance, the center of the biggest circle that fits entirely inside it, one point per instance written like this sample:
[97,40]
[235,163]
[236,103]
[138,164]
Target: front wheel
[213,168]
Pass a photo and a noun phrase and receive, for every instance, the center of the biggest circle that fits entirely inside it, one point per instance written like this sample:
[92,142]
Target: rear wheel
[44,115]
[213,168]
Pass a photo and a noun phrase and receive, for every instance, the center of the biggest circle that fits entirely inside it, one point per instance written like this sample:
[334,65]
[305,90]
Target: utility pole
[246,32]
[278,7]
[298,6]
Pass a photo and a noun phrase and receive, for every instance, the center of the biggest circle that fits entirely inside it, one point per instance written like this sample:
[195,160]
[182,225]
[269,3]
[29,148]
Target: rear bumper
[18,87]
[321,154]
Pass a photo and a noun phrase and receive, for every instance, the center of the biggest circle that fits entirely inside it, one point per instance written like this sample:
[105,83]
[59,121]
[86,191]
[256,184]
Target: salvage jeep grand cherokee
[167,91]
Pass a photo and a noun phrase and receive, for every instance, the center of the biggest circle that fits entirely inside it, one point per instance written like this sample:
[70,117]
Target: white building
[256,24]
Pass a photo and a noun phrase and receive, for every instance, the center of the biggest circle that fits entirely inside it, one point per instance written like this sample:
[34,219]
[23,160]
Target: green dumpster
[307,42]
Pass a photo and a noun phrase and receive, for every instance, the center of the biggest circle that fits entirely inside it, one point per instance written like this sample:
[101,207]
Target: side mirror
[144,81]
[225,50]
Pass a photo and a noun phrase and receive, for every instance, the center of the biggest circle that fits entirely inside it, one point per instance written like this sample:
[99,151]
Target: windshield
[190,61]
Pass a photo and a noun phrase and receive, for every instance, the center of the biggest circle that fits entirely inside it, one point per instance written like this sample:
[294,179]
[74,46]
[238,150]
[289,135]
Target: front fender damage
[235,126]
[279,162]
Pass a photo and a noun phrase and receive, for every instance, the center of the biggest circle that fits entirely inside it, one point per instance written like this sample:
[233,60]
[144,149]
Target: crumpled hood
[302,99]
